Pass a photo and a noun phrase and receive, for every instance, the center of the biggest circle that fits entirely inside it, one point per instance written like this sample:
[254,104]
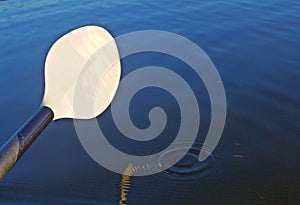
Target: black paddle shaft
[15,147]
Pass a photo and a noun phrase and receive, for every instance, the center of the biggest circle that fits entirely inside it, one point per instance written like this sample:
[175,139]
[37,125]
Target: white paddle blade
[82,73]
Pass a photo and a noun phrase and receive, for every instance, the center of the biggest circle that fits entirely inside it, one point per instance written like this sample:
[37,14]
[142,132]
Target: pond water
[255,47]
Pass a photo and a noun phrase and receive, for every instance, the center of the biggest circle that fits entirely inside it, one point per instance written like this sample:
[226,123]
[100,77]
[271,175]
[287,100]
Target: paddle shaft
[15,147]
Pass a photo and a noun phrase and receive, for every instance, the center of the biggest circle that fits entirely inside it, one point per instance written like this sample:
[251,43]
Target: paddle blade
[82,68]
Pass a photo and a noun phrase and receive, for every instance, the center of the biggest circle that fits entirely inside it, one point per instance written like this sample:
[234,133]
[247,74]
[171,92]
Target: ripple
[189,167]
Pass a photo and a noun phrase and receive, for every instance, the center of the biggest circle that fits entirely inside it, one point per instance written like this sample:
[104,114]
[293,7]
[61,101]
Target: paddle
[81,66]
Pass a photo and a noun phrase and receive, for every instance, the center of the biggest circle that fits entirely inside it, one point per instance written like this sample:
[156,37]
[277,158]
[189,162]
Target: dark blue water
[255,47]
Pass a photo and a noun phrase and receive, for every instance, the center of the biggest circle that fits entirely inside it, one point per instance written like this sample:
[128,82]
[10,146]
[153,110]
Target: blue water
[255,47]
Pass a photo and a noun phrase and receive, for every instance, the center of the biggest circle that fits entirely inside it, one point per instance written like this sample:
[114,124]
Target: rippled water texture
[255,47]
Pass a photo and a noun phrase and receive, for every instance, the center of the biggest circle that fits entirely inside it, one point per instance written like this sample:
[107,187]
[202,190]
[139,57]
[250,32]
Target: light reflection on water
[125,184]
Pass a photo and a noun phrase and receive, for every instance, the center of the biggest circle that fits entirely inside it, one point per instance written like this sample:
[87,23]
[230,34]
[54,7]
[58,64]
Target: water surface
[255,47]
